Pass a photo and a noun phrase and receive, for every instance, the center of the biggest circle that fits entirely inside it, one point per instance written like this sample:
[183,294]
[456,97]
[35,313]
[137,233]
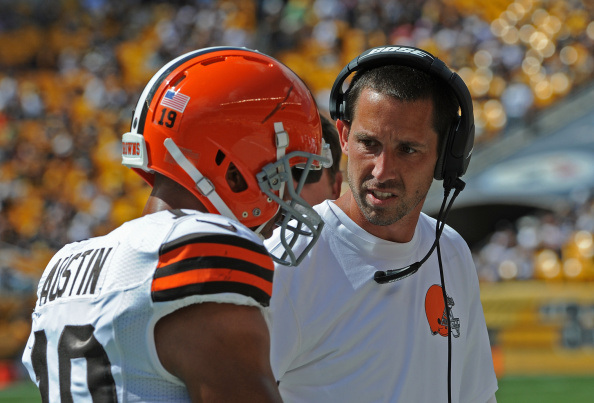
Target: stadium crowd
[545,245]
[70,72]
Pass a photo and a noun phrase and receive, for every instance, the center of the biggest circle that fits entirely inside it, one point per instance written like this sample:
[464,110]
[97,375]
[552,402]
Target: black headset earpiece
[456,151]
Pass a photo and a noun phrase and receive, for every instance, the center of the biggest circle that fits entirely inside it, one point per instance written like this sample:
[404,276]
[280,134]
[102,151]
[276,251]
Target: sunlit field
[547,389]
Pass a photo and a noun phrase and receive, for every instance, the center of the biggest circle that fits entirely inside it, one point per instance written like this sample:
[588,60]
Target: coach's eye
[368,143]
[408,149]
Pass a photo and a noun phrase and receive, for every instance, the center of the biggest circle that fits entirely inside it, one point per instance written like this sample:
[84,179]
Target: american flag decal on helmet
[202,264]
[175,100]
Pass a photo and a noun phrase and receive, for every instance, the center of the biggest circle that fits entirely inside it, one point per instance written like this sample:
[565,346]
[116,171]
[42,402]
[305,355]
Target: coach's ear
[343,134]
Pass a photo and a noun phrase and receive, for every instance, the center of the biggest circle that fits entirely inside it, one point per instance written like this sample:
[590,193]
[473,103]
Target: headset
[453,158]
[456,151]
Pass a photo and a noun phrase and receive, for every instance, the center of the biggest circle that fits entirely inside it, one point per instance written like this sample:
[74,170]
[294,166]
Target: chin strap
[282,142]
[204,185]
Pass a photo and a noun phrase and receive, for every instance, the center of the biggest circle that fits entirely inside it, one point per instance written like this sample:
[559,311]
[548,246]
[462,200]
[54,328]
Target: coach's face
[392,151]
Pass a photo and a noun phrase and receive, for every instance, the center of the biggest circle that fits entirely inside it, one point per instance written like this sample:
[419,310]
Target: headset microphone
[389,276]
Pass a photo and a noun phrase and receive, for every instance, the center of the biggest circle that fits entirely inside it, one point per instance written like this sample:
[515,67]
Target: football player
[171,306]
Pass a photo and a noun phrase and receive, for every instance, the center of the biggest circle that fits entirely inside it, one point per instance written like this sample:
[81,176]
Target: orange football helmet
[219,111]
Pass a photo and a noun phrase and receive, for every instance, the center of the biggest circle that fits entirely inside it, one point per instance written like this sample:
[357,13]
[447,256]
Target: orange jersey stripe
[209,275]
[215,249]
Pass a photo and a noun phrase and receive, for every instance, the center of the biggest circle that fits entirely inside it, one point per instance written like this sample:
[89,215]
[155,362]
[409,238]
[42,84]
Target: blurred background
[72,70]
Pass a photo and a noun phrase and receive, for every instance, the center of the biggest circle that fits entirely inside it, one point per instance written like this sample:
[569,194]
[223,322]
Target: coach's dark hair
[407,84]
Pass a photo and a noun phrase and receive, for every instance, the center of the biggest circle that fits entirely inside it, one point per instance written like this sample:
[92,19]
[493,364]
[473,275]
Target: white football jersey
[338,336]
[98,302]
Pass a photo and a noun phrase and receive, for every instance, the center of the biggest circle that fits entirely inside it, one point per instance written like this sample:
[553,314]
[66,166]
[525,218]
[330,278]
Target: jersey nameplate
[76,274]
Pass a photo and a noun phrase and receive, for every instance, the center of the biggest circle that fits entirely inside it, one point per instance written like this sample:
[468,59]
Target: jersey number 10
[75,342]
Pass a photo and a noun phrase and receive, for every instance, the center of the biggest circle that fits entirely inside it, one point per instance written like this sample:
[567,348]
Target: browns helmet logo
[437,316]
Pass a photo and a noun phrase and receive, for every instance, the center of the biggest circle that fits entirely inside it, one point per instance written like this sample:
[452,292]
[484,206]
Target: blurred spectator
[545,245]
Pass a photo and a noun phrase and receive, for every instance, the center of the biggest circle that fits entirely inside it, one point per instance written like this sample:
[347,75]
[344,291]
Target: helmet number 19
[168,118]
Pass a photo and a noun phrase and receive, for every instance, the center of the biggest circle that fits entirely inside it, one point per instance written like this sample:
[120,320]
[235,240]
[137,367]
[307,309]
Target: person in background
[172,306]
[339,334]
[327,183]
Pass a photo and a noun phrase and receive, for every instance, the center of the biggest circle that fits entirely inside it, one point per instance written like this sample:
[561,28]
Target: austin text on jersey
[74,275]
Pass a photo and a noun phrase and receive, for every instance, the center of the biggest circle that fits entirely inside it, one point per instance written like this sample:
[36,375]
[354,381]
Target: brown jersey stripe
[217,262]
[214,287]
[215,250]
[210,274]
[213,238]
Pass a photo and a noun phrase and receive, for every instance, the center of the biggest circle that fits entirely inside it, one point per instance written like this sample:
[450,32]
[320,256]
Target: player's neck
[168,195]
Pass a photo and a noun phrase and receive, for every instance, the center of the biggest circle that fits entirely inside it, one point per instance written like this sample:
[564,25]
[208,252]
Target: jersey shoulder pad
[207,254]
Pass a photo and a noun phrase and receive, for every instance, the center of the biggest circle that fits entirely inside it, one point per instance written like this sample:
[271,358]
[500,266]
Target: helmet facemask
[298,218]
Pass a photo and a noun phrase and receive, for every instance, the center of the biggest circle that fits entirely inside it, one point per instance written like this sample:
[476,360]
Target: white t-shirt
[338,336]
[99,300]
